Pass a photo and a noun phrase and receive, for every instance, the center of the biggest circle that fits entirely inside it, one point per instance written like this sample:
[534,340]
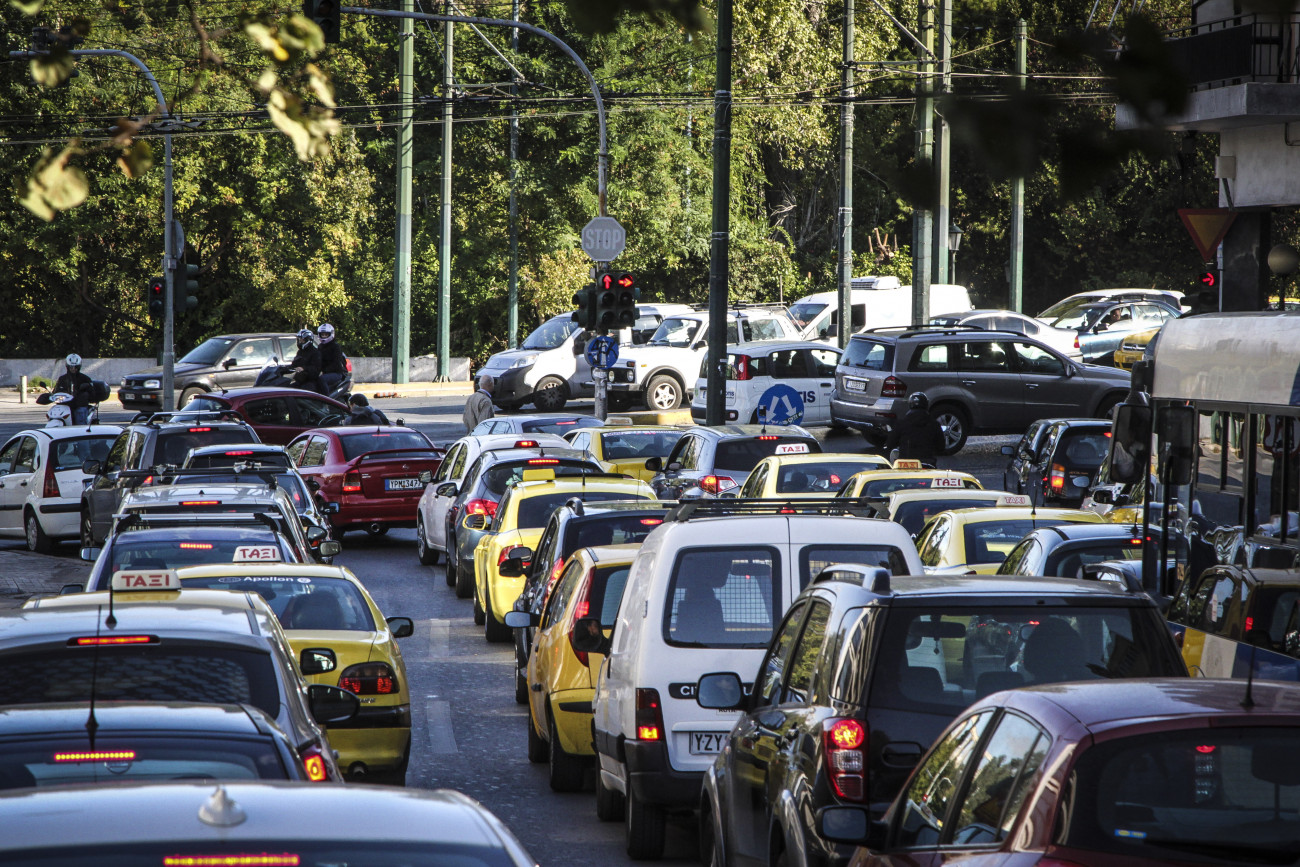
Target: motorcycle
[277,375]
[59,413]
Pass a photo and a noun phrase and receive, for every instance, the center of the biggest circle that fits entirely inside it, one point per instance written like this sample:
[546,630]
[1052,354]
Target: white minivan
[875,302]
[705,592]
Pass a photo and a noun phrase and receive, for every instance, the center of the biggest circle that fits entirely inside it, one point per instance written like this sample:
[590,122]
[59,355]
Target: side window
[774,666]
[134,451]
[1020,556]
[1214,613]
[270,411]
[541,562]
[1001,781]
[765,329]
[733,332]
[1036,359]
[983,356]
[560,596]
[313,412]
[582,441]
[458,465]
[933,357]
[11,451]
[314,454]
[921,821]
[252,353]
[444,469]
[798,687]
[112,462]
[26,460]
[930,545]
[753,486]
[690,452]
[824,361]
[295,451]
[788,364]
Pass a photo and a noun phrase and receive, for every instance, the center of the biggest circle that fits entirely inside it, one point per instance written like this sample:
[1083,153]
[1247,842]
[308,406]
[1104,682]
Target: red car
[277,414]
[371,475]
[1175,771]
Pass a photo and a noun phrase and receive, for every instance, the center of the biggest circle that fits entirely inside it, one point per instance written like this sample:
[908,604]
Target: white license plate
[706,743]
[855,385]
[401,484]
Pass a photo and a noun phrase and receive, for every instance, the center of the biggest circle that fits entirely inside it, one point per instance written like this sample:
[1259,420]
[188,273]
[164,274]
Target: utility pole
[405,146]
[444,236]
[720,243]
[512,336]
[845,273]
[1017,269]
[942,151]
[922,219]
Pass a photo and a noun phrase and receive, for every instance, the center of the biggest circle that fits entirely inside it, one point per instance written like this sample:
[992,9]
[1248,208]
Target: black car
[867,670]
[1057,460]
[576,524]
[152,441]
[1065,550]
[227,361]
[710,460]
[138,546]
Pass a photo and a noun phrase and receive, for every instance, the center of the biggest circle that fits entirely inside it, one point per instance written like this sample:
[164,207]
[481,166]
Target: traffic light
[326,15]
[184,284]
[157,294]
[626,294]
[1206,299]
[606,302]
[584,304]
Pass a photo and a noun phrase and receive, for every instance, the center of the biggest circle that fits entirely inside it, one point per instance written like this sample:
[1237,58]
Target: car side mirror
[90,554]
[1103,497]
[720,691]
[588,636]
[843,824]
[316,534]
[90,467]
[447,489]
[475,522]
[401,627]
[69,589]
[331,704]
[426,476]
[654,464]
[313,485]
[521,619]
[229,363]
[1070,371]
[317,660]
[330,548]
[511,567]
[331,509]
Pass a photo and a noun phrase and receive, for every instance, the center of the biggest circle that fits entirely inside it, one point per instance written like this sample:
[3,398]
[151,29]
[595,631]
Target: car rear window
[534,511]
[1225,795]
[913,514]
[70,454]
[606,592]
[155,759]
[945,657]
[166,671]
[626,445]
[301,601]
[878,488]
[174,445]
[992,541]
[1083,449]
[360,444]
[609,530]
[742,455]
[172,553]
[814,558]
[820,477]
[723,597]
[497,478]
[559,427]
[868,354]
[230,457]
[1068,560]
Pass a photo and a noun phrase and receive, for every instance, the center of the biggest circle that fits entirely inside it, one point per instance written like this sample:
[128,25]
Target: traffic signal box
[184,284]
[608,305]
[326,15]
[157,295]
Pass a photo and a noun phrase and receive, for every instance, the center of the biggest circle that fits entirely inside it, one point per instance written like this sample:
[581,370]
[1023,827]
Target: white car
[1063,340]
[41,481]
[764,374]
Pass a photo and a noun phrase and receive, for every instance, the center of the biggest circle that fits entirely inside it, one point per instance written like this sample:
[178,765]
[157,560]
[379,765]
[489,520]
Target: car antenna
[762,419]
[1248,701]
[92,724]
[111,620]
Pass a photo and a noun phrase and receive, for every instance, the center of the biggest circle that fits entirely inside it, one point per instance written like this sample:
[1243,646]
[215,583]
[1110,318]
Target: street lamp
[1283,260]
[954,244]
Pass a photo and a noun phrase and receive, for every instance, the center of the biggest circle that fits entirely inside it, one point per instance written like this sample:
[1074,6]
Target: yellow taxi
[326,613]
[807,475]
[913,508]
[561,678]
[876,484]
[519,520]
[1133,347]
[625,448]
[976,541]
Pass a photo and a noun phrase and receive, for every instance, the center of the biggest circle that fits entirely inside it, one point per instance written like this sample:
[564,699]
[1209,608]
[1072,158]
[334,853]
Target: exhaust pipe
[375,528]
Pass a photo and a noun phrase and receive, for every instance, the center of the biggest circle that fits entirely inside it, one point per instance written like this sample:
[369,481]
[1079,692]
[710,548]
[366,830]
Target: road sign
[603,239]
[783,405]
[602,352]
[1207,226]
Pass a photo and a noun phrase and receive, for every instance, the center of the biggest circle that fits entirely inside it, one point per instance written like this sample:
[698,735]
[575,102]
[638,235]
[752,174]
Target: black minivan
[227,361]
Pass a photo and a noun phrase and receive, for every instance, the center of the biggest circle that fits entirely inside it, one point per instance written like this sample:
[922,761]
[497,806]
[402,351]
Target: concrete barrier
[423,368]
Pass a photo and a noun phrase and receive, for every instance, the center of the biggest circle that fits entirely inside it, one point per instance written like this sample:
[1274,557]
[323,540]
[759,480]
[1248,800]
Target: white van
[696,602]
[875,302]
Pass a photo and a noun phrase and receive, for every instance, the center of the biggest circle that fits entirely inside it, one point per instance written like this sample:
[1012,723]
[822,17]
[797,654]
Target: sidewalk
[24,574]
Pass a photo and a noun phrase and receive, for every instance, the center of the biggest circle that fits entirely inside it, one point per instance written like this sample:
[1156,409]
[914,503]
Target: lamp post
[954,244]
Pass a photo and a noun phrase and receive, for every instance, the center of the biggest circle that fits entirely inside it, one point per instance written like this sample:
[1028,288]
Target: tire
[192,391]
[510,405]
[551,394]
[428,556]
[521,685]
[609,802]
[479,615]
[710,848]
[465,584]
[494,630]
[566,770]
[536,746]
[1108,404]
[955,422]
[87,530]
[663,392]
[37,541]
[645,829]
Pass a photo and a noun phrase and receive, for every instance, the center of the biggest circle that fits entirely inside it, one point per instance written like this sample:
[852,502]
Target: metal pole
[405,160]
[846,182]
[1017,275]
[942,150]
[921,219]
[719,248]
[444,236]
[512,334]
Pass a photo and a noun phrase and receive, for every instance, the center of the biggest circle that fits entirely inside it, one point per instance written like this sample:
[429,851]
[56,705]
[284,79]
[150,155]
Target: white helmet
[325,332]
[73,360]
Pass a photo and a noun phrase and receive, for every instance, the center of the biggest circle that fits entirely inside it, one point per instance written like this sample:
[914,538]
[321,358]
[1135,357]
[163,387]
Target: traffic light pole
[169,240]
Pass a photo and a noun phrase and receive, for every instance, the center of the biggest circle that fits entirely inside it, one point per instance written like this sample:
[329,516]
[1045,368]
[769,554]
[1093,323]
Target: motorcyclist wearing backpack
[306,364]
[333,361]
[77,384]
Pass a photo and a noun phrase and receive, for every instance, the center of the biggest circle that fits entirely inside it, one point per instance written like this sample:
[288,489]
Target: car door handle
[827,384]
[969,382]
[1031,385]
[901,754]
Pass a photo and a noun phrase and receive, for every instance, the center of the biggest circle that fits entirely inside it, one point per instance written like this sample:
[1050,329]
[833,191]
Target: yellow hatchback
[976,541]
[519,520]
[625,448]
[561,678]
[877,484]
[326,612]
[805,476]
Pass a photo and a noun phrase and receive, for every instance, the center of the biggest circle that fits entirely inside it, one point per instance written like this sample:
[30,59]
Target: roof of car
[358,430]
[64,433]
[1082,531]
[117,716]
[829,457]
[982,586]
[607,554]
[775,345]
[230,394]
[578,484]
[189,611]
[1021,513]
[287,570]
[496,442]
[723,431]
[170,494]
[223,448]
[604,507]
[898,332]
[897,498]
[523,454]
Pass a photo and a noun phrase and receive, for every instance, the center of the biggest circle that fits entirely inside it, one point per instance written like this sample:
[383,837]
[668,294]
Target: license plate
[401,484]
[706,743]
[855,385]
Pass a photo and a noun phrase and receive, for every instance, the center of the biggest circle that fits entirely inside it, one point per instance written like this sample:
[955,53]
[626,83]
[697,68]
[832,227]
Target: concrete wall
[1268,169]
[423,368]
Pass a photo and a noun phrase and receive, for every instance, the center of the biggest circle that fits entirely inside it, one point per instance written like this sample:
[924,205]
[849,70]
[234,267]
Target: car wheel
[551,394]
[645,829]
[663,393]
[479,615]
[87,530]
[465,585]
[955,424]
[566,769]
[510,405]
[710,843]
[494,630]
[192,391]
[36,539]
[537,751]
[1108,404]
[609,802]
[874,437]
[521,684]
[428,556]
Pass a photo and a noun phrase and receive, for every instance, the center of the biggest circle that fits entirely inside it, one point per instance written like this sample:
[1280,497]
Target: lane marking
[437,715]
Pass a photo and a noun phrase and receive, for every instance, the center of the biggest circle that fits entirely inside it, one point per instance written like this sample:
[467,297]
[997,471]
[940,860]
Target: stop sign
[603,239]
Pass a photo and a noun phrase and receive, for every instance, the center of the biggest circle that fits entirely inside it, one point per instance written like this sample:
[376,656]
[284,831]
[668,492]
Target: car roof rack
[915,330]
[873,578]
[723,507]
[182,416]
[135,520]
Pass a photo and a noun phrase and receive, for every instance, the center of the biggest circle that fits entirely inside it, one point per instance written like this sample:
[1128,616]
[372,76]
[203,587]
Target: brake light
[369,678]
[742,368]
[1205,749]
[581,611]
[251,859]
[893,387]
[1250,623]
[238,453]
[200,502]
[651,522]
[555,571]
[51,486]
[481,507]
[845,740]
[313,762]
[1056,478]
[195,546]
[112,640]
[1076,342]
[525,444]
[717,484]
[200,429]
[649,716]
[767,438]
[106,756]
[352,481]
[543,462]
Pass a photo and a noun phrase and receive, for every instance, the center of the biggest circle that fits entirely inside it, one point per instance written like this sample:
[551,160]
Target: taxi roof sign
[129,580]
[792,449]
[907,464]
[257,554]
[1014,500]
[537,475]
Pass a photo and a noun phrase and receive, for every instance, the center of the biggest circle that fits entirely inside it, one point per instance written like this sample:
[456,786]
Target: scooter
[277,375]
[59,413]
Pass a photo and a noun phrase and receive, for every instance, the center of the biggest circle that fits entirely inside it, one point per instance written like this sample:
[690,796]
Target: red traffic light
[157,291]
[606,280]
[1208,279]
[626,281]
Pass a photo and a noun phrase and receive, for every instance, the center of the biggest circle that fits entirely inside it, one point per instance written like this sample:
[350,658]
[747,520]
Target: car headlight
[524,360]
[153,383]
[123,383]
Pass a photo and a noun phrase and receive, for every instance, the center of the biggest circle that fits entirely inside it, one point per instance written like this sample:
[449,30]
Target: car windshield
[70,454]
[301,601]
[675,331]
[819,477]
[355,445]
[946,656]
[1083,449]
[559,426]
[805,312]
[742,455]
[723,597]
[1224,795]
[534,511]
[632,444]
[325,851]
[230,457]
[611,529]
[550,334]
[496,479]
[914,513]
[173,445]
[814,558]
[209,351]
[172,553]
[992,541]
[1078,317]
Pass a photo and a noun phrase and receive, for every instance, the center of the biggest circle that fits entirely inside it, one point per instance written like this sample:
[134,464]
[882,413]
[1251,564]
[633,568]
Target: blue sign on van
[784,405]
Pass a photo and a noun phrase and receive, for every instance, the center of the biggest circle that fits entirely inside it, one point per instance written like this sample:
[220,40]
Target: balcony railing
[1236,50]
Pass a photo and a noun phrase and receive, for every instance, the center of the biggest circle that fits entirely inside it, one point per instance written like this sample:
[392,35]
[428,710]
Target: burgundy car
[277,414]
[372,474]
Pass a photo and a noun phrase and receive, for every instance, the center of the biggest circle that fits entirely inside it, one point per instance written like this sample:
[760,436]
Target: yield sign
[1207,227]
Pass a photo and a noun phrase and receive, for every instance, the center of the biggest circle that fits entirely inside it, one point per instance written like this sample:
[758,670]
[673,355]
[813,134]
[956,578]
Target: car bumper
[131,396]
[503,592]
[359,512]
[60,519]
[728,415]
[655,781]
[378,737]
[571,709]
[877,414]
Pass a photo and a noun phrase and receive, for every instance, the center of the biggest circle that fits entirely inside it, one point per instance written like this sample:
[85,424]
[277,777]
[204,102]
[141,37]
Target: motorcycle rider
[333,361]
[917,434]
[306,363]
[364,413]
[77,384]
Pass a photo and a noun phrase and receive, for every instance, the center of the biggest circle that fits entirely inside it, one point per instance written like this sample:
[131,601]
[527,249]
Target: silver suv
[978,381]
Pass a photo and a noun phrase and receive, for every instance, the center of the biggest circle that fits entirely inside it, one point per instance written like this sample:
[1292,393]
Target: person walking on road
[479,406]
[917,435]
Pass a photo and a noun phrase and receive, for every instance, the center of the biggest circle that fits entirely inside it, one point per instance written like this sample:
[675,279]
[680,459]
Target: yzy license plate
[704,743]
[401,484]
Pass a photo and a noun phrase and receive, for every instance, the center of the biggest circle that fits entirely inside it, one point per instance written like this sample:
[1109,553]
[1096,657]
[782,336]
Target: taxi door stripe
[437,716]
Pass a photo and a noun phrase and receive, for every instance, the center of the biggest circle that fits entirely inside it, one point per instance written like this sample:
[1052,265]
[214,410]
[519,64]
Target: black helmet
[304,337]
[919,401]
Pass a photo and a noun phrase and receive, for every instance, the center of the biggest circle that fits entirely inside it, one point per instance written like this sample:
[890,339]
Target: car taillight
[767,438]
[369,678]
[237,859]
[543,462]
[112,640]
[481,507]
[238,453]
[1250,623]
[1056,478]
[1076,341]
[845,742]
[580,611]
[313,763]
[651,522]
[51,486]
[352,481]
[649,716]
[742,368]
[555,572]
[893,387]
[717,484]
[199,429]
